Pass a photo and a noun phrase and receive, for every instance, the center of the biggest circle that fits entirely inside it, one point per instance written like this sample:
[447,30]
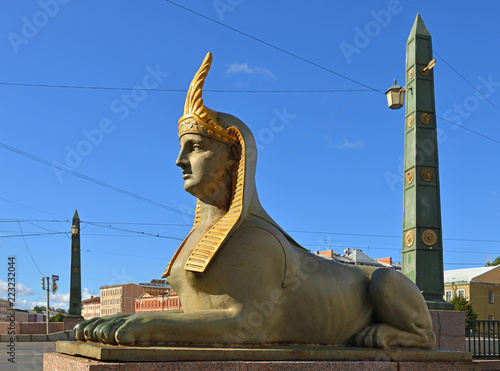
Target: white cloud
[20,289]
[57,300]
[345,144]
[29,304]
[235,68]
[59,296]
[86,294]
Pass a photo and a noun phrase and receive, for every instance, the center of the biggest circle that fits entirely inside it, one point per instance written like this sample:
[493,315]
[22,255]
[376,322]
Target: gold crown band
[193,124]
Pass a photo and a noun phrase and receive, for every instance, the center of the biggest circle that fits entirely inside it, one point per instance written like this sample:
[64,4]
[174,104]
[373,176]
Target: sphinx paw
[125,335]
[371,337]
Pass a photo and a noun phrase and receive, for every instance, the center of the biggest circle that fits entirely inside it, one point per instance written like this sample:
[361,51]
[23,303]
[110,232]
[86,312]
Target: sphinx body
[242,280]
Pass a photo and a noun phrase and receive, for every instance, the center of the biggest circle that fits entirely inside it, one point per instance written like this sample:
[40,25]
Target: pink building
[91,307]
[157,303]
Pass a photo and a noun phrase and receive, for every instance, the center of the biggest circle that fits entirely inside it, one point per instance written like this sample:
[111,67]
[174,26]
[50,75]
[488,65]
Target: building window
[448,295]
[491,297]
[461,293]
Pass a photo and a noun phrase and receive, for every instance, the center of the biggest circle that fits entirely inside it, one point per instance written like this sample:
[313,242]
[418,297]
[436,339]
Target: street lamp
[395,96]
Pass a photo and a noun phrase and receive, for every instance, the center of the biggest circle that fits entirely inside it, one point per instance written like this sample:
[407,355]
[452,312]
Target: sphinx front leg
[214,327]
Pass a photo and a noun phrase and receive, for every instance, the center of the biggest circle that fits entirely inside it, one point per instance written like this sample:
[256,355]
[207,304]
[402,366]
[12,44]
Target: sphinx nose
[181,160]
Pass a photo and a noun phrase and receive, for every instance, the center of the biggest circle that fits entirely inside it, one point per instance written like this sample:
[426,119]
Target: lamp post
[75,293]
[422,248]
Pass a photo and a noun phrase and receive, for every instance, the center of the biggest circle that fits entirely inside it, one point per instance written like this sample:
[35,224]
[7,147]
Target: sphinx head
[210,145]
[218,158]
[207,167]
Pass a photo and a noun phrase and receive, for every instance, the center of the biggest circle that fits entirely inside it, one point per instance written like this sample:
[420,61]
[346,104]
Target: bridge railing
[482,338]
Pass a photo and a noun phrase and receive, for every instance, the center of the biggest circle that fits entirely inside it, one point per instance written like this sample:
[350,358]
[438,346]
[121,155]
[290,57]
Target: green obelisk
[422,252]
[75,293]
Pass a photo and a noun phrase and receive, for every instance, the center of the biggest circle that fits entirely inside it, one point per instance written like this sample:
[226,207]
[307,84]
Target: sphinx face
[206,165]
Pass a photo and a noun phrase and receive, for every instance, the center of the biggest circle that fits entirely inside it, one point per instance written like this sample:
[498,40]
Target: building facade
[91,307]
[122,299]
[119,298]
[4,309]
[156,287]
[35,316]
[157,303]
[480,286]
[22,315]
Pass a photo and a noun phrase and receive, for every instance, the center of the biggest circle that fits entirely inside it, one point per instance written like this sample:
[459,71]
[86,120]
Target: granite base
[60,362]
[105,352]
[449,328]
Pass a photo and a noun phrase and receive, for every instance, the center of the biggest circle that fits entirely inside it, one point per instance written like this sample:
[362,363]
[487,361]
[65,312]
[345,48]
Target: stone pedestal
[99,357]
[71,322]
[449,328]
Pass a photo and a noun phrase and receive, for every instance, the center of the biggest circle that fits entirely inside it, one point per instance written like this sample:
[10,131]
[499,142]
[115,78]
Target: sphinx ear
[233,154]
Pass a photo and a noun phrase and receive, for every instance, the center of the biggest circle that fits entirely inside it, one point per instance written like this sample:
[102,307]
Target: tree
[463,305]
[39,309]
[57,318]
[493,263]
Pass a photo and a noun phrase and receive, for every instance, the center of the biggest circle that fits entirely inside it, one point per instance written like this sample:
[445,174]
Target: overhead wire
[274,46]
[327,69]
[185,90]
[29,207]
[467,81]
[32,235]
[139,232]
[121,254]
[29,252]
[322,124]
[108,224]
[470,130]
[321,233]
[91,179]
[51,230]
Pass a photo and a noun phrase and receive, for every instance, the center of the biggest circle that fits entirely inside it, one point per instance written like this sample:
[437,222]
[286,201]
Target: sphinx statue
[243,281]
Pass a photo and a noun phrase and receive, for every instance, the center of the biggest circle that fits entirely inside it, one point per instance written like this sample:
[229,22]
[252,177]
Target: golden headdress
[198,119]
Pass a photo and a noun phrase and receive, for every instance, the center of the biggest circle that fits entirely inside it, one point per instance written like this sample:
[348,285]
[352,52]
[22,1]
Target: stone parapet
[449,328]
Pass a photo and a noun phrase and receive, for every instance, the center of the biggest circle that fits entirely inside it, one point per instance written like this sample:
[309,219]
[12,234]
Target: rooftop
[466,275]
[358,257]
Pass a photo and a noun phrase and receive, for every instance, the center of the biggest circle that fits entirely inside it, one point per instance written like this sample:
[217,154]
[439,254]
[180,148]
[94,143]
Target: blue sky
[330,164]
